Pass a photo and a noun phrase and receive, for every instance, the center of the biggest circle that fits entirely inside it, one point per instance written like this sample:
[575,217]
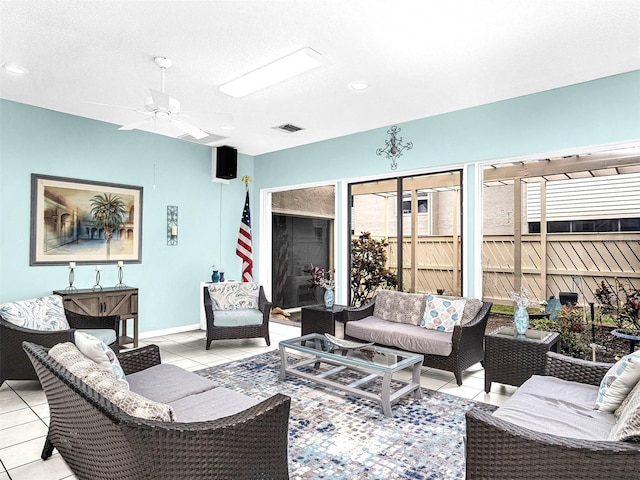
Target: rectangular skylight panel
[275,72]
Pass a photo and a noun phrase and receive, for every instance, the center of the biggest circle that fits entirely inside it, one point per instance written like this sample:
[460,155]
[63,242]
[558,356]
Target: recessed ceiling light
[226,127]
[14,68]
[287,67]
[358,85]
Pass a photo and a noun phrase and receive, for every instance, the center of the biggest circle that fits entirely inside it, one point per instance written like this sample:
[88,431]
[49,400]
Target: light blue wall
[600,112]
[35,140]
[592,113]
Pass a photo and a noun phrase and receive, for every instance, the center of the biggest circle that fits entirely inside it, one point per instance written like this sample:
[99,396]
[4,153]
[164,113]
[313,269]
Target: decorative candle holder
[71,288]
[120,284]
[97,286]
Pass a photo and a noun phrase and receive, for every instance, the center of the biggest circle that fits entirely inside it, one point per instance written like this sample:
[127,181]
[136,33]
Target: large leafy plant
[620,301]
[368,270]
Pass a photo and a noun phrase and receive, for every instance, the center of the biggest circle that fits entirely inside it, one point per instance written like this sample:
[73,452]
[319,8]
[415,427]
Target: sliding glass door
[302,235]
[416,220]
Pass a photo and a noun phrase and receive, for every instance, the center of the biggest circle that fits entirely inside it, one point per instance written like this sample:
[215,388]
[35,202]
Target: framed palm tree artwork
[84,221]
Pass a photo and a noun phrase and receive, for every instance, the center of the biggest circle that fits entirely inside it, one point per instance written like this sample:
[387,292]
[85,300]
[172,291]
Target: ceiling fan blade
[113,106]
[195,132]
[134,125]
[161,99]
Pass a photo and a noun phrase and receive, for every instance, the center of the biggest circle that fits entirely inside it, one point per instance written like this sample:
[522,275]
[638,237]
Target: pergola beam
[560,166]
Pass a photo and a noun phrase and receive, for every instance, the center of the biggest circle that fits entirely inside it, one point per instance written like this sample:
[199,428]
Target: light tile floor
[24,413]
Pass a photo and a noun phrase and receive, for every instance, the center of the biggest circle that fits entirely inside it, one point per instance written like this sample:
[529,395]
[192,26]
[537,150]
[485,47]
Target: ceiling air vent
[210,139]
[288,128]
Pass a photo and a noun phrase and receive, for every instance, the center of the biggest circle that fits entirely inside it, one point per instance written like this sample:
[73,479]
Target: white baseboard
[170,331]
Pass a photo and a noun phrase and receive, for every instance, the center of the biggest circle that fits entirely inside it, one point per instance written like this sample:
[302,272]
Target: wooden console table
[108,301]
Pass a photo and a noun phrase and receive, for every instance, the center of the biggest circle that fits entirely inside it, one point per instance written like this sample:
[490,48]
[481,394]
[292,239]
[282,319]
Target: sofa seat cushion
[411,338]
[167,383]
[237,318]
[234,295]
[105,335]
[399,307]
[559,407]
[212,404]
[42,313]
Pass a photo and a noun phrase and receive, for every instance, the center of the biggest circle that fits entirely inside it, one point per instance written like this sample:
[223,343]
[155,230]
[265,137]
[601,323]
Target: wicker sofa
[99,440]
[549,429]
[394,319]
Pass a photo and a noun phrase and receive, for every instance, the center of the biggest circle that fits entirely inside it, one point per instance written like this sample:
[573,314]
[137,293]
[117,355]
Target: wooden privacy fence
[436,267]
[564,263]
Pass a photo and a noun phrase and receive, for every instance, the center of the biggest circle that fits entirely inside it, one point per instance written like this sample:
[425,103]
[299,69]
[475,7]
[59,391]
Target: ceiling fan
[160,106]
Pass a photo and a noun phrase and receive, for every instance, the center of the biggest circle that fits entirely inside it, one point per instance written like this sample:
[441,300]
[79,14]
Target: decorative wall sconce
[172,225]
[393,147]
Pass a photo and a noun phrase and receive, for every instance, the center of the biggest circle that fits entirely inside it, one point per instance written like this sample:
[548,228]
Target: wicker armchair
[468,341]
[100,441]
[496,449]
[14,364]
[215,332]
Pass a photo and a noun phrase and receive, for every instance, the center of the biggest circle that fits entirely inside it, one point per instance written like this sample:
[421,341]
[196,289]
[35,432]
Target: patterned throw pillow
[103,380]
[399,307]
[138,406]
[96,350]
[627,427]
[442,314]
[68,355]
[234,295]
[42,313]
[618,382]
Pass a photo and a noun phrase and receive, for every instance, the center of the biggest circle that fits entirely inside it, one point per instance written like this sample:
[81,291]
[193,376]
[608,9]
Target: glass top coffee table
[353,370]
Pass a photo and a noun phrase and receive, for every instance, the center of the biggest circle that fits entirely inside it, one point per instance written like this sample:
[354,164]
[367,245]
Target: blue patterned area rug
[334,435]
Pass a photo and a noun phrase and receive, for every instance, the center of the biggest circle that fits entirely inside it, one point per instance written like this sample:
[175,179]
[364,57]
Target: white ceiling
[421,58]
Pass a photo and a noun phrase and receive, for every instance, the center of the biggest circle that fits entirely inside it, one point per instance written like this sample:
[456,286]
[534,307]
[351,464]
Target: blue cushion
[237,318]
[107,335]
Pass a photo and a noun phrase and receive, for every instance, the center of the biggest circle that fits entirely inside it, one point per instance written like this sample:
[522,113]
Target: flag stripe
[244,249]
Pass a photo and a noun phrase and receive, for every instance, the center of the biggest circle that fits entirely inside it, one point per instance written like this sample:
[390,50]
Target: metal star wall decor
[393,147]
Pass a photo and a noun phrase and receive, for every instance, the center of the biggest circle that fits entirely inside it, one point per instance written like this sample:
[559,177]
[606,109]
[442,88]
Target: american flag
[244,250]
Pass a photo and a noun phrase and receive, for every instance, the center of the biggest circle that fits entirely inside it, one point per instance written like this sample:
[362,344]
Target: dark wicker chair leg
[268,340]
[208,344]
[47,451]
[458,375]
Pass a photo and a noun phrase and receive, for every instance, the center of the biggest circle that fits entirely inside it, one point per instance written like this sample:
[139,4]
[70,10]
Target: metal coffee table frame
[340,358]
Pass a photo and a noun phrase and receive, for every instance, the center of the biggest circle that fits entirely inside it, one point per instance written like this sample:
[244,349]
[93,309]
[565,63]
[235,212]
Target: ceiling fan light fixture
[172,106]
[285,68]
[358,86]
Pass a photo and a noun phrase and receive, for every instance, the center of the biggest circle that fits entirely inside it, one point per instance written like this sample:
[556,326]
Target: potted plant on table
[320,278]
